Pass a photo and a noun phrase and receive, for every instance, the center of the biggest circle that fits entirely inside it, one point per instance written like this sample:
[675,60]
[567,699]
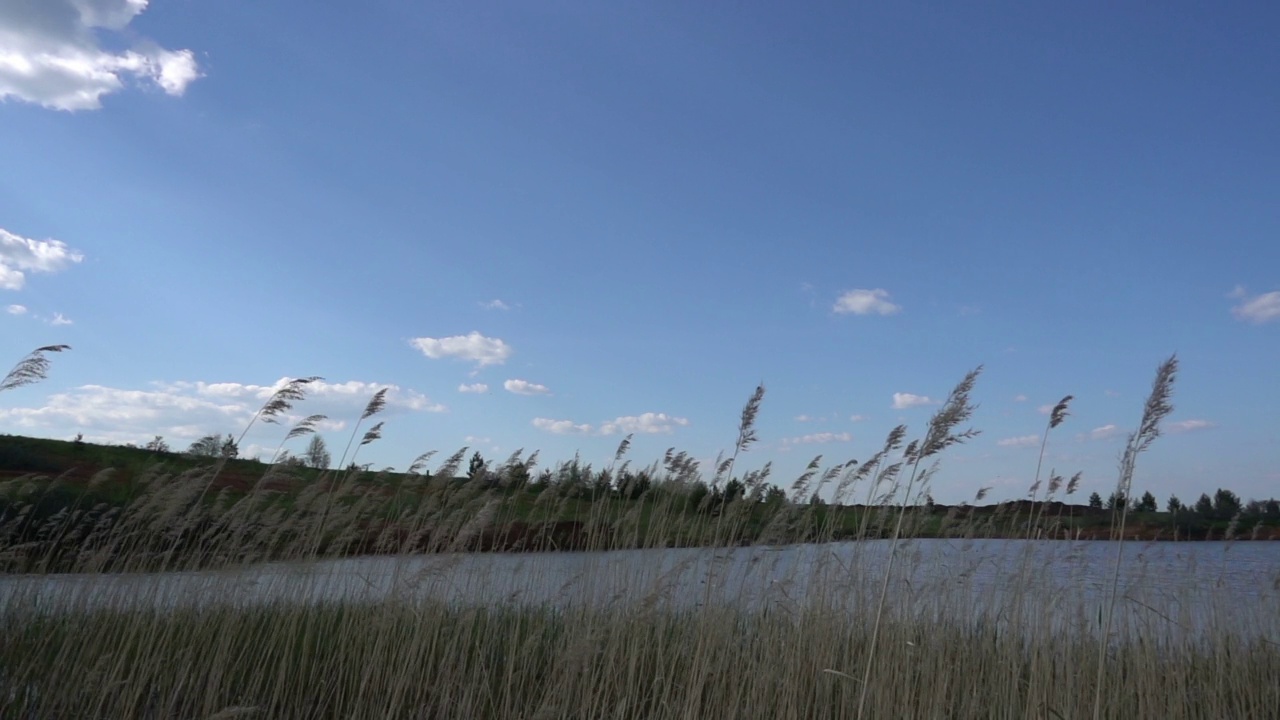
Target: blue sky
[620,217]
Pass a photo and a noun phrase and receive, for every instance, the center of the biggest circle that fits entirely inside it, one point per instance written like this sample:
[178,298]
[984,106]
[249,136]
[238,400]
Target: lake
[1186,589]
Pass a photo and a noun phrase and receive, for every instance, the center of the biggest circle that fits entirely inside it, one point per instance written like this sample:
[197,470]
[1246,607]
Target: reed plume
[31,369]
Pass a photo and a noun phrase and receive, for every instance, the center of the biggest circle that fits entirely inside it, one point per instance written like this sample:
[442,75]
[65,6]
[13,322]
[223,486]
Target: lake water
[1187,588]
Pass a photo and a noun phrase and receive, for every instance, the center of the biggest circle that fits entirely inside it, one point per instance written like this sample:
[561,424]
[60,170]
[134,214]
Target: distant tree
[1175,505]
[541,482]
[1116,501]
[476,466]
[1147,503]
[317,454]
[634,485]
[1272,507]
[733,489]
[1204,506]
[775,496]
[214,446]
[1095,501]
[601,484]
[157,444]
[1225,503]
[516,476]
[698,492]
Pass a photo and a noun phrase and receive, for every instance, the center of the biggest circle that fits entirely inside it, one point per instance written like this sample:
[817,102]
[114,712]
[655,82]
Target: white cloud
[865,302]
[495,304]
[185,411]
[477,440]
[1183,426]
[561,427]
[524,387]
[473,388]
[334,399]
[902,401]
[1020,398]
[1105,432]
[20,255]
[1020,441]
[59,319]
[52,53]
[16,309]
[804,418]
[1045,409]
[1256,309]
[857,418]
[818,438]
[472,346]
[644,424]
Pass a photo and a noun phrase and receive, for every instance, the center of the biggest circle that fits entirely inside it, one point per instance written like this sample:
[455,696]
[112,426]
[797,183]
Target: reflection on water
[1162,586]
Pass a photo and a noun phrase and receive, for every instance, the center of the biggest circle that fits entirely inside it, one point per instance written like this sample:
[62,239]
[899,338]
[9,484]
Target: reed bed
[877,630]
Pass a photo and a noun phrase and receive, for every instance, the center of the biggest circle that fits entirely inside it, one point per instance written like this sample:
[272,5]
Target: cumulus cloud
[473,347]
[185,411]
[524,387]
[495,304]
[20,255]
[561,427]
[1045,409]
[473,388]
[1020,398]
[1020,441]
[643,424]
[857,418]
[1183,426]
[59,319]
[52,53]
[865,302]
[1256,309]
[805,418]
[817,439]
[902,401]
[1105,432]
[16,309]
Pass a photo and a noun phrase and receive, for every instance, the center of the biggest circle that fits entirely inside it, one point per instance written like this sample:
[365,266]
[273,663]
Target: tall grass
[883,626]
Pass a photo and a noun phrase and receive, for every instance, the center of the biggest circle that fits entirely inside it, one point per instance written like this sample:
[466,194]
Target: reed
[686,624]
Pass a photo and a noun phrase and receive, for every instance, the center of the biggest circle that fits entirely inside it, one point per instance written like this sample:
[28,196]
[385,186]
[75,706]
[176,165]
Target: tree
[733,489]
[1116,501]
[1225,504]
[1175,505]
[214,446]
[775,496]
[476,467]
[1147,503]
[1095,501]
[317,454]
[1204,506]
[157,444]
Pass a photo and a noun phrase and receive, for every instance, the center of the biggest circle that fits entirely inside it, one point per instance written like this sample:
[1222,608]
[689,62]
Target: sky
[550,225]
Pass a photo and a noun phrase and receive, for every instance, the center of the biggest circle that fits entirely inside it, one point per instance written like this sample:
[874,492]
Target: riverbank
[68,506]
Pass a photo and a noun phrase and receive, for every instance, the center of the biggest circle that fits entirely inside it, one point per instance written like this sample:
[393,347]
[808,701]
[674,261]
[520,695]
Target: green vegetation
[854,642]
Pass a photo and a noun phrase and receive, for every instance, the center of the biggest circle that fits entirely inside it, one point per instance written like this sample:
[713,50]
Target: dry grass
[879,629]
